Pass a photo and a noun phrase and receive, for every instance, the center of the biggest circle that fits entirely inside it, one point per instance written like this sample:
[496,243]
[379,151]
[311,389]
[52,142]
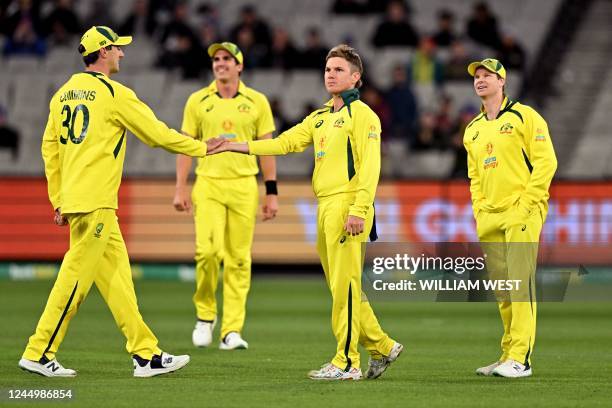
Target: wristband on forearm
[271,187]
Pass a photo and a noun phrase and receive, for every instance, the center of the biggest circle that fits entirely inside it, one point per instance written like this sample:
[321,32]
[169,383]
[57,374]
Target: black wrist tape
[271,187]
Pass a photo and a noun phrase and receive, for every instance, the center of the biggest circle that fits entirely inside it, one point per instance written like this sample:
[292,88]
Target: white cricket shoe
[159,364]
[233,341]
[46,368]
[488,370]
[376,367]
[512,369]
[329,372]
[202,335]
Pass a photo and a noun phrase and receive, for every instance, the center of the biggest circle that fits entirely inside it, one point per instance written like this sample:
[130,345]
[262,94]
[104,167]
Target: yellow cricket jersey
[346,150]
[246,116]
[84,142]
[510,159]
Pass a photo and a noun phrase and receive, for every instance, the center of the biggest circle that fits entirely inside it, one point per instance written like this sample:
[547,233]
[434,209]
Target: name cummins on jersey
[84,142]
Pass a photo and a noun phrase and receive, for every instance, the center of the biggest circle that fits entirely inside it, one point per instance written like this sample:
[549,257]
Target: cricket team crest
[506,129]
[339,123]
[244,108]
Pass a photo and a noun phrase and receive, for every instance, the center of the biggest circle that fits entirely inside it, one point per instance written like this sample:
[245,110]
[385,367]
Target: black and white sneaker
[158,365]
[46,367]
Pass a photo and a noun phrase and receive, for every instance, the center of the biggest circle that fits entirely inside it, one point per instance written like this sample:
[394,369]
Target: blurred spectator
[395,28]
[24,31]
[349,7]
[445,123]
[307,109]
[177,26]
[209,34]
[425,68]
[374,99]
[455,68]
[445,35]
[209,14]
[403,106]
[511,54]
[380,6]
[428,135]
[482,26]
[62,23]
[260,31]
[466,114]
[180,47]
[283,54]
[9,136]
[100,13]
[3,15]
[140,21]
[254,56]
[313,55]
[280,119]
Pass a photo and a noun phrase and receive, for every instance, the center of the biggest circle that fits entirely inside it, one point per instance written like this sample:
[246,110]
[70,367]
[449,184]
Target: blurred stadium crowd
[415,54]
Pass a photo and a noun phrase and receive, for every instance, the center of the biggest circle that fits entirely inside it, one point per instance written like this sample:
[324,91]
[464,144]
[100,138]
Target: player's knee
[208,254]
[238,262]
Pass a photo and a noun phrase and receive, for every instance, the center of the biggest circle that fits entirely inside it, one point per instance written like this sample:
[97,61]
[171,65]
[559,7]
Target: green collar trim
[349,96]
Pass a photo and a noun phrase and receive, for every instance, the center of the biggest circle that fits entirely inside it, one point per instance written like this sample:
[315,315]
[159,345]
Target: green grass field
[288,329]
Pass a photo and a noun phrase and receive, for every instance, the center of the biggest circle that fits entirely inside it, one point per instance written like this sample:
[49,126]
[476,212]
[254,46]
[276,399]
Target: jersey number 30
[69,121]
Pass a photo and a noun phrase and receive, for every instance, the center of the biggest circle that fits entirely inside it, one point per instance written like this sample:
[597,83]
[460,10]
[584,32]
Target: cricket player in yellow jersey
[511,162]
[83,149]
[346,137]
[225,194]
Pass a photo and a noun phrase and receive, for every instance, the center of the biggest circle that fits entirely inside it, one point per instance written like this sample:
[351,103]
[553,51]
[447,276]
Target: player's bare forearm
[182,199]
[268,163]
[183,167]
[268,168]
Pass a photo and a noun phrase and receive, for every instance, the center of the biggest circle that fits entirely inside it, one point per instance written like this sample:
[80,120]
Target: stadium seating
[33,80]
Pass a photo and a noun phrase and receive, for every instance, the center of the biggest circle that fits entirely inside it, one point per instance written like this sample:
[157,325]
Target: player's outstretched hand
[354,225]
[216,145]
[59,219]
[182,200]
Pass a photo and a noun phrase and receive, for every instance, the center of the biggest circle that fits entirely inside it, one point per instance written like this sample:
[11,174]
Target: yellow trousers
[353,320]
[510,241]
[224,211]
[97,254]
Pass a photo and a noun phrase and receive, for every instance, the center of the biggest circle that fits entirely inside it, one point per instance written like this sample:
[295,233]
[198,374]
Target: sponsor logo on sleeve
[373,134]
[99,229]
